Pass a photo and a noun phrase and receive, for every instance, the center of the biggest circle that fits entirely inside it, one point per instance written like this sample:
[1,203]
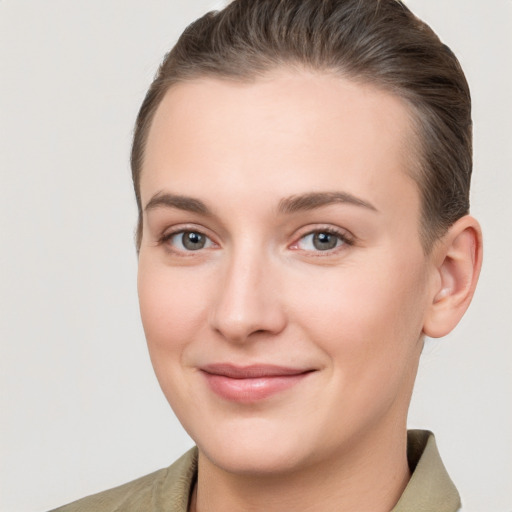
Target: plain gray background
[80,408]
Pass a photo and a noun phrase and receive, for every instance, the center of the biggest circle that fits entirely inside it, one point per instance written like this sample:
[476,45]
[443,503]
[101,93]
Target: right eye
[186,241]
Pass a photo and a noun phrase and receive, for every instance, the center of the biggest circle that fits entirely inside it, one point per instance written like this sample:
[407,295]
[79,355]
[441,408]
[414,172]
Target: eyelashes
[188,240]
[320,241]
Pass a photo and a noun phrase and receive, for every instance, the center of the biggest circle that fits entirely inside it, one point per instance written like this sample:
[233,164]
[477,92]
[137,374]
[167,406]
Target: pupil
[193,241]
[324,241]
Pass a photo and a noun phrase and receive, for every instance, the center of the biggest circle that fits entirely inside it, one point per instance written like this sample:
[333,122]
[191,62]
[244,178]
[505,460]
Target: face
[282,281]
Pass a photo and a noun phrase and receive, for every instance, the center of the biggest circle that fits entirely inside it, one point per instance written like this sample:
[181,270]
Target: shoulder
[170,486]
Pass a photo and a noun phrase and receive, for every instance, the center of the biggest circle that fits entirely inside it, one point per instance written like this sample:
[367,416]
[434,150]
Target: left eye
[320,241]
[189,241]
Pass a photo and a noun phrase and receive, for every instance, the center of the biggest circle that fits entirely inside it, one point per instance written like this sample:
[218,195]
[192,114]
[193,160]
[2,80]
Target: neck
[370,475]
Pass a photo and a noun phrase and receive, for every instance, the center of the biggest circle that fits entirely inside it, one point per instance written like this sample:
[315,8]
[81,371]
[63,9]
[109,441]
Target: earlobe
[458,259]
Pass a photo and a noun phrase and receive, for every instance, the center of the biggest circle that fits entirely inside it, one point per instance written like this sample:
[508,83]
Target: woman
[302,173]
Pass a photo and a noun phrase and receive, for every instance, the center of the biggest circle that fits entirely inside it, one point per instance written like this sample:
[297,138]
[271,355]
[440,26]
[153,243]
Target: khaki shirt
[430,489]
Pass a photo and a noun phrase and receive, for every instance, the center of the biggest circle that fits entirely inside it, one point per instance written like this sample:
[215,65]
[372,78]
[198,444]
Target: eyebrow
[288,205]
[179,202]
[314,200]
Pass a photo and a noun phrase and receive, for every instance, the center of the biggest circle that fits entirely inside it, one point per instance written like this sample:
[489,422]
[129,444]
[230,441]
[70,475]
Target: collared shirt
[430,489]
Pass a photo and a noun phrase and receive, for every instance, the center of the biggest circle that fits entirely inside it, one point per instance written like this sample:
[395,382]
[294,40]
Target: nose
[248,301]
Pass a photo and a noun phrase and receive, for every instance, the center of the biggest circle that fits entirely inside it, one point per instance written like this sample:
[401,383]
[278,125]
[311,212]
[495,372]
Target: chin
[255,450]
[252,460]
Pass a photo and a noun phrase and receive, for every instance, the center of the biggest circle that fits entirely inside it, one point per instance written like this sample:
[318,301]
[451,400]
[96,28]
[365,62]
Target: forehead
[289,132]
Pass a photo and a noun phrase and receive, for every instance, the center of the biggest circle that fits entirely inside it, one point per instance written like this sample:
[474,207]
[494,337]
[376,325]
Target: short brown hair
[372,41]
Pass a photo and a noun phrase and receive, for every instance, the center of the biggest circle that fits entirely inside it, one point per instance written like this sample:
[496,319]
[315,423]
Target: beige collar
[430,488]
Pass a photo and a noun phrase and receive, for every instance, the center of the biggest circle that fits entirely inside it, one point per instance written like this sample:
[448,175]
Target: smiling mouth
[247,384]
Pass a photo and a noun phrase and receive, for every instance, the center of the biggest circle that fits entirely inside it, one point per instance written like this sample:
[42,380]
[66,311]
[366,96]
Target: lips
[252,383]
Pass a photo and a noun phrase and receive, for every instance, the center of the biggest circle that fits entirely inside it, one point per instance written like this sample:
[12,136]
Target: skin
[261,292]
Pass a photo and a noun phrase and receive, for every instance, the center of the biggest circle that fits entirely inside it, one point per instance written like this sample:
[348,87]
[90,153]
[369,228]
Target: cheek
[369,318]
[171,306]
[173,312]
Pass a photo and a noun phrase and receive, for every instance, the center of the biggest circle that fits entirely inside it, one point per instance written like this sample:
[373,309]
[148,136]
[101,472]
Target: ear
[456,259]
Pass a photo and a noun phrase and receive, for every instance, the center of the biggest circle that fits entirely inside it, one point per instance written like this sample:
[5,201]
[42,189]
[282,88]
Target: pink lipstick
[248,384]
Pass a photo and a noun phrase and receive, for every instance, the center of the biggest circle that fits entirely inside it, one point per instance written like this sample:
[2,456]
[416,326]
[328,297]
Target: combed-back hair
[378,42]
